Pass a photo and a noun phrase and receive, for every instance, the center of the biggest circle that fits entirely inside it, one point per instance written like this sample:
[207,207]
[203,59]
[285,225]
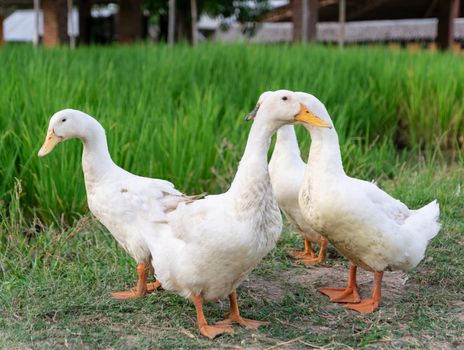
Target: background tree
[245,12]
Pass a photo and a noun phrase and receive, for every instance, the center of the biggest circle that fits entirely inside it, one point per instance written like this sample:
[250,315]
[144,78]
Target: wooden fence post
[448,11]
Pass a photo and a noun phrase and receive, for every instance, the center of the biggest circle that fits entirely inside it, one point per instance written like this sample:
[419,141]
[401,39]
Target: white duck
[207,248]
[121,201]
[366,225]
[287,170]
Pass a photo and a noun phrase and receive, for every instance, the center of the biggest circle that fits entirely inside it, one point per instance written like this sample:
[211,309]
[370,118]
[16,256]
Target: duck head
[315,108]
[65,124]
[284,107]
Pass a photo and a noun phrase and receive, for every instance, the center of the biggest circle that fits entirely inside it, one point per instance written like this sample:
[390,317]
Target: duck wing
[391,207]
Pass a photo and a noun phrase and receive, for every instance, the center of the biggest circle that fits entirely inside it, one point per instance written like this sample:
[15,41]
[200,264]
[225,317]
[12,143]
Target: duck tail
[422,226]
[424,221]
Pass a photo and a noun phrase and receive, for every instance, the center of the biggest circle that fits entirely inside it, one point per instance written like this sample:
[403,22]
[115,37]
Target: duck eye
[285,98]
[63,120]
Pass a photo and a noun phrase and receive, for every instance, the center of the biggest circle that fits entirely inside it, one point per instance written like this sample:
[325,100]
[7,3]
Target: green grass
[57,283]
[177,113]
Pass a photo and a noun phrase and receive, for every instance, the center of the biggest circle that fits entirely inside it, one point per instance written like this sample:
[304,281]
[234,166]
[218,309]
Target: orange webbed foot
[366,306]
[134,293]
[307,256]
[143,288]
[126,295]
[210,331]
[214,330]
[350,294]
[234,315]
[307,261]
[341,295]
[299,254]
[242,321]
[251,324]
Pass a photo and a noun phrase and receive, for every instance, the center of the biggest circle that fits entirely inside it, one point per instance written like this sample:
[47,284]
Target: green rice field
[177,113]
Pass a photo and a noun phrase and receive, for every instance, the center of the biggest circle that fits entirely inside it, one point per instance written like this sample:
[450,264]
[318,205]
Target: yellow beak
[50,142]
[307,117]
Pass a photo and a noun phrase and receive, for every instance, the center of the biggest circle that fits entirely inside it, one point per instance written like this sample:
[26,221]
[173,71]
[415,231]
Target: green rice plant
[177,112]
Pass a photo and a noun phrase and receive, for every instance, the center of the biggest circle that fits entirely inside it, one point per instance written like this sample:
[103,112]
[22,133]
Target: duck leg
[307,252]
[350,294]
[370,305]
[205,329]
[233,316]
[152,286]
[308,261]
[142,288]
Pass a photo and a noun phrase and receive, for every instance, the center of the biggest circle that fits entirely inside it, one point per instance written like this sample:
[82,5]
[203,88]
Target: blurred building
[20,26]
[421,32]
[344,21]
[399,22]
[57,22]
[371,20]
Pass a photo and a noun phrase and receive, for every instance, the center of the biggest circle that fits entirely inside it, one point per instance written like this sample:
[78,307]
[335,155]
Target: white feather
[287,171]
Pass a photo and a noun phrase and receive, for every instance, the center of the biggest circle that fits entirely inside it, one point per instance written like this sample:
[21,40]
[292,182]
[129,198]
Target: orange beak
[305,116]
[51,140]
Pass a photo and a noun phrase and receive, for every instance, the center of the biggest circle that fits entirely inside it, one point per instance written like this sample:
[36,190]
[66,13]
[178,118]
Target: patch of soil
[269,290]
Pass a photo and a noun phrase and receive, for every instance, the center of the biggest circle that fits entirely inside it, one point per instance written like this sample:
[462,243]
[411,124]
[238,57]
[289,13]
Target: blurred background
[414,24]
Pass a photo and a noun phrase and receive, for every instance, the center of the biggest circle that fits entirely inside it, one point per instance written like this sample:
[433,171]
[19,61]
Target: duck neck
[253,165]
[324,154]
[96,159]
[287,143]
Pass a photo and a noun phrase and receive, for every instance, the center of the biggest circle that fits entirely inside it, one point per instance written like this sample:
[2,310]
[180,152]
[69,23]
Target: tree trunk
[172,15]
[55,22]
[183,21]
[341,22]
[449,10]
[1,29]
[305,16]
[163,28]
[194,20]
[129,21]
[85,21]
